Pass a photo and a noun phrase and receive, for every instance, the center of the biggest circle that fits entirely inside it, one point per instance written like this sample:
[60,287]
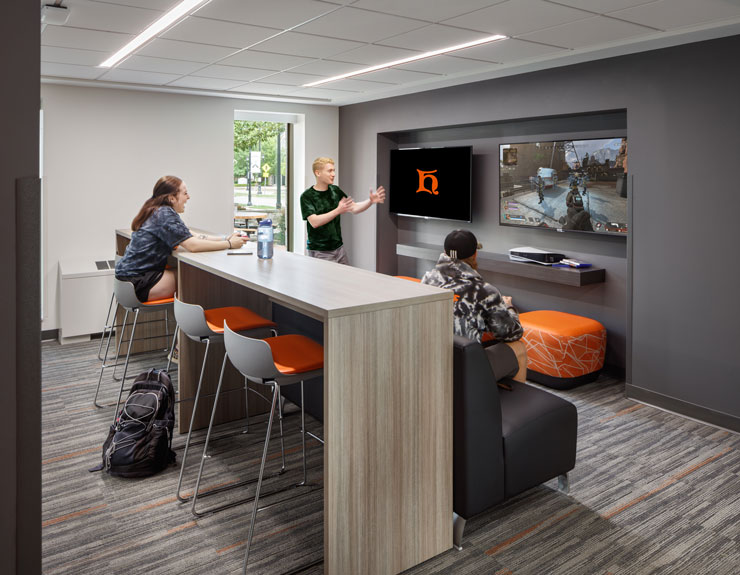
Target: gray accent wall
[20,314]
[669,298]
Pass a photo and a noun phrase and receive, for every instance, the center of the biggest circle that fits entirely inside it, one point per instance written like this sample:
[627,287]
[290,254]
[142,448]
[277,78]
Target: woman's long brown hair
[164,194]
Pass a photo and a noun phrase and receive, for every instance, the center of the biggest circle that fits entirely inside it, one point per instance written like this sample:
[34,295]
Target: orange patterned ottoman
[563,350]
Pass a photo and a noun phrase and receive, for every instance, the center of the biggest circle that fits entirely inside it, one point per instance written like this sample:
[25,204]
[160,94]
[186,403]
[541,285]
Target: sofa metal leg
[458,526]
[563,484]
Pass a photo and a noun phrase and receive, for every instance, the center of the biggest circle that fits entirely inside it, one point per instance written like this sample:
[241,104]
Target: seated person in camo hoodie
[481,313]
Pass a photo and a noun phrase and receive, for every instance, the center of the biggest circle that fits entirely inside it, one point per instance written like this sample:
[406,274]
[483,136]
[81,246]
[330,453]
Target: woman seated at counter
[157,231]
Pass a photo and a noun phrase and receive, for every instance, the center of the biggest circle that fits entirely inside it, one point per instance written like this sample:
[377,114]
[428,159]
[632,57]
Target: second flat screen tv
[431,183]
[565,185]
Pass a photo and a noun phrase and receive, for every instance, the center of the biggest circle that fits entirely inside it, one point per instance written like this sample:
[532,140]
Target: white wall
[104,149]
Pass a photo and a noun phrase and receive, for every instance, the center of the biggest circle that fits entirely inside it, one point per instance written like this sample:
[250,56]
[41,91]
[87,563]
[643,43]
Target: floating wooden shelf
[500,263]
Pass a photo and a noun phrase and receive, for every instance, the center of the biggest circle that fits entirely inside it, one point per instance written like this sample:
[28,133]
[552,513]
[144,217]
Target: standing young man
[321,206]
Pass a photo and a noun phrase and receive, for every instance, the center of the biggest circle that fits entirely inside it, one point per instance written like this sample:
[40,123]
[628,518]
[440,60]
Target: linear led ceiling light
[164,22]
[485,40]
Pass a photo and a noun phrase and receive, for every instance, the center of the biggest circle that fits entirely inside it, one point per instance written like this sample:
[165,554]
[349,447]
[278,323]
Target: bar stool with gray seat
[126,298]
[206,326]
[110,325]
[275,361]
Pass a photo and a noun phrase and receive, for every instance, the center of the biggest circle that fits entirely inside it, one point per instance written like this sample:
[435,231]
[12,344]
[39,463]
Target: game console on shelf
[536,255]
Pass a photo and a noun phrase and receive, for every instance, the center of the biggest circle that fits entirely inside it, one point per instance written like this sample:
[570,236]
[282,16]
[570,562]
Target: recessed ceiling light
[485,40]
[165,21]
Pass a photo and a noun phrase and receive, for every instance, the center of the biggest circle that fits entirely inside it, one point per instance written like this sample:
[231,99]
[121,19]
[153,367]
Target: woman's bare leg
[165,287]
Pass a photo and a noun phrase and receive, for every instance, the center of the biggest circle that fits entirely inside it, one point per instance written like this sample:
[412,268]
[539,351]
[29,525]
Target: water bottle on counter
[264,239]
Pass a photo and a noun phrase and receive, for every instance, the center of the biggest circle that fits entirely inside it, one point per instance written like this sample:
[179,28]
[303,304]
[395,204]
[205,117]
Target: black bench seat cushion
[539,436]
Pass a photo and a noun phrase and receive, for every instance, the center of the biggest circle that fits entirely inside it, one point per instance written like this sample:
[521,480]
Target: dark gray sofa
[505,442]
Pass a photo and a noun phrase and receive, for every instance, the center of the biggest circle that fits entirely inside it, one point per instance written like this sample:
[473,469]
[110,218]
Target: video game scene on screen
[567,184]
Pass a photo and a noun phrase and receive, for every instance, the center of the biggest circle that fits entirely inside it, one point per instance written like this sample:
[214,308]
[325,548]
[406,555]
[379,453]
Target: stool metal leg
[194,497]
[246,403]
[105,358]
[125,365]
[275,396]
[172,347]
[108,326]
[190,429]
[303,437]
[196,494]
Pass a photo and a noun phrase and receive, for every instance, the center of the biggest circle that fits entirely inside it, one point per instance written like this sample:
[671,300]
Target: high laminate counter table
[387,397]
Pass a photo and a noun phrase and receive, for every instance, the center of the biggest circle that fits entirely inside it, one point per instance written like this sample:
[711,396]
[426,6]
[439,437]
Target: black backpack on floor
[139,444]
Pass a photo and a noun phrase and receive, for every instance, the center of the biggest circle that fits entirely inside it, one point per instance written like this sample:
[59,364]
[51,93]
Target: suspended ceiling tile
[520,17]
[509,50]
[361,25]
[447,65]
[433,37]
[233,73]
[603,6]
[429,10]
[264,88]
[218,32]
[162,65]
[66,37]
[108,17]
[591,33]
[321,93]
[265,60]
[371,54]
[291,79]
[281,14]
[69,70]
[177,50]
[671,14]
[397,76]
[326,68]
[162,5]
[72,56]
[136,77]
[205,83]
[355,85]
[297,44]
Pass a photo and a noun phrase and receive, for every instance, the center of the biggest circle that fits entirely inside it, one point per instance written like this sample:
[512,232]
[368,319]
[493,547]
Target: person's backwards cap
[460,244]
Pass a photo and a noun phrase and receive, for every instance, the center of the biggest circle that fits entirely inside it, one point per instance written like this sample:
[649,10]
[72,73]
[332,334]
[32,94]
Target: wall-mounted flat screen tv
[431,182]
[575,185]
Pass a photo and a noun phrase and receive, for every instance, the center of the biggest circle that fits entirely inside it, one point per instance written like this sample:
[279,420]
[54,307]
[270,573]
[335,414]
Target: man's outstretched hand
[378,196]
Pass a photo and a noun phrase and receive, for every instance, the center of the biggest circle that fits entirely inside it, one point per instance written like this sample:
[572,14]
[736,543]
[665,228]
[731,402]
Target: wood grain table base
[388,419]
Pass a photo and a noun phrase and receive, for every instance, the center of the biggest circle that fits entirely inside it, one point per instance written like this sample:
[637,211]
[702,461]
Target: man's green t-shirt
[329,236]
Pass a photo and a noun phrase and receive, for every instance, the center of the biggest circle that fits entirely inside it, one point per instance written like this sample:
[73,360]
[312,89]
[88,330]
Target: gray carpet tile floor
[651,493]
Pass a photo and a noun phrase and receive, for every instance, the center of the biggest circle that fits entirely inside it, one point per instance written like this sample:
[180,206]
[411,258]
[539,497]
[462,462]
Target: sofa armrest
[478,475]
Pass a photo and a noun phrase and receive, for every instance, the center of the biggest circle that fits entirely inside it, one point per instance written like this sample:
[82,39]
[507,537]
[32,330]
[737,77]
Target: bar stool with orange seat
[126,297]
[206,326]
[275,361]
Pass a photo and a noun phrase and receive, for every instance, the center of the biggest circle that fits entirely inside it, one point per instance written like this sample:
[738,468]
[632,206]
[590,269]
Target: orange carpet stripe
[290,451]
[79,513]
[496,548]
[244,542]
[182,527]
[167,500]
[623,412]
[71,385]
[82,409]
[70,455]
[152,505]
[611,513]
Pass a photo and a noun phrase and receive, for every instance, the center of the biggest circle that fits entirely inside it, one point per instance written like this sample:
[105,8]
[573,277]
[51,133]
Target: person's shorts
[338,255]
[144,283]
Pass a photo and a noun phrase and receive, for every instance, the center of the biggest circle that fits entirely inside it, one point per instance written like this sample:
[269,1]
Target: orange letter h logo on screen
[423,176]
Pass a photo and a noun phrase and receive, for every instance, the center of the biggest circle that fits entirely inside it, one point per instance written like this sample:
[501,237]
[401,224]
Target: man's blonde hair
[319,163]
